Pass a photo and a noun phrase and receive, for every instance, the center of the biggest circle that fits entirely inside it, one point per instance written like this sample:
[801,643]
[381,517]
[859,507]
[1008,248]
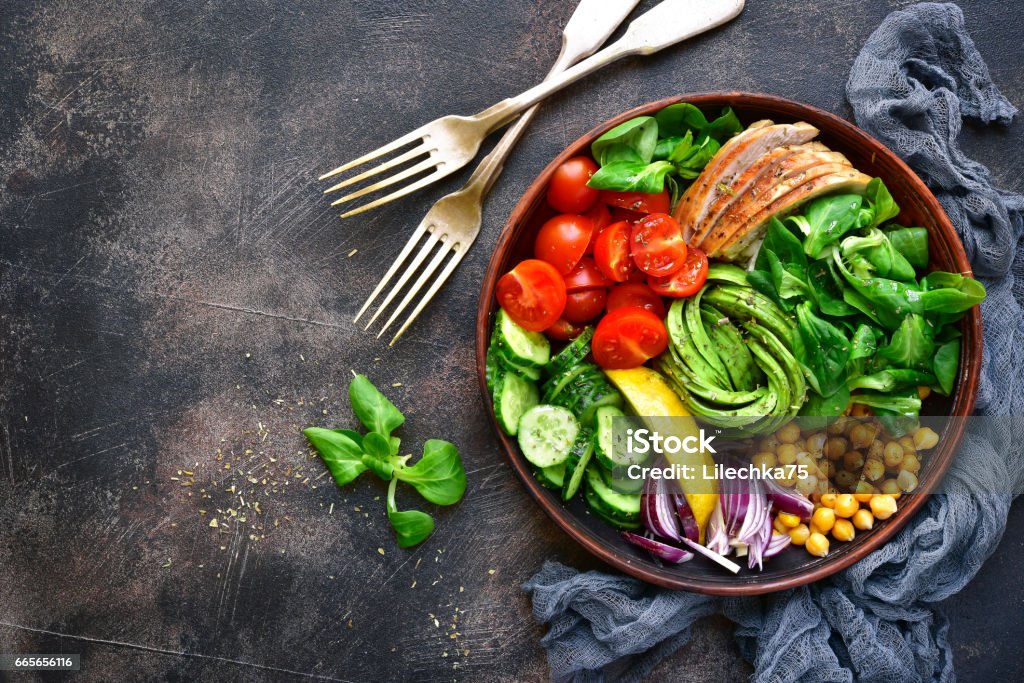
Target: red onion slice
[660,550]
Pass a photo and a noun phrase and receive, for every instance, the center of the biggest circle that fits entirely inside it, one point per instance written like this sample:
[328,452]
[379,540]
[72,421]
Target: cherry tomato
[611,252]
[533,294]
[627,338]
[657,245]
[581,307]
[602,218]
[568,191]
[635,295]
[586,275]
[686,281]
[563,330]
[631,217]
[637,201]
[562,240]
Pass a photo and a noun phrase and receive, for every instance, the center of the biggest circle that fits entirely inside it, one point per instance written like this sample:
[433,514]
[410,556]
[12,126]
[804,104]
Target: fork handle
[668,23]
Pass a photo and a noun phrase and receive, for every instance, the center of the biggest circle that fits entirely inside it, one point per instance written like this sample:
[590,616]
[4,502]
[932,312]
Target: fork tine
[416,236]
[390,147]
[428,246]
[443,252]
[425,299]
[412,187]
[391,163]
[387,182]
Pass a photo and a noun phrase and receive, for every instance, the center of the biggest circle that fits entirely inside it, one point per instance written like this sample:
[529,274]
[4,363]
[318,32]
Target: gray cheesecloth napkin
[916,79]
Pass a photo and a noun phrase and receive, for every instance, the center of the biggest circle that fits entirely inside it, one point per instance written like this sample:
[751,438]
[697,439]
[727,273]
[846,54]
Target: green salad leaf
[631,176]
[373,409]
[634,140]
[678,119]
[342,455]
[438,475]
[947,362]
[412,527]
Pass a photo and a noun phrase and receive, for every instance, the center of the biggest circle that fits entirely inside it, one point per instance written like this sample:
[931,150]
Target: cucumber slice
[492,369]
[518,346]
[513,396]
[577,462]
[554,387]
[532,374]
[612,454]
[618,480]
[572,354]
[621,510]
[546,435]
[551,477]
[599,393]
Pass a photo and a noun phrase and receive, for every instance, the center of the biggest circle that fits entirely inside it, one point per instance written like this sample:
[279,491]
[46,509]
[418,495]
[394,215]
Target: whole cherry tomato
[635,295]
[562,240]
[581,307]
[568,191]
[563,330]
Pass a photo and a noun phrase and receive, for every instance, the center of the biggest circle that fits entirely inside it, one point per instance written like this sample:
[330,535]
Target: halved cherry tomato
[611,252]
[563,330]
[533,294]
[635,295]
[586,276]
[602,218]
[657,245]
[637,201]
[568,191]
[562,240]
[627,338]
[581,307]
[686,281]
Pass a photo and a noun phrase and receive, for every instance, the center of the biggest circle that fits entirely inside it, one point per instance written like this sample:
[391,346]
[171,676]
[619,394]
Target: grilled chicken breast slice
[730,161]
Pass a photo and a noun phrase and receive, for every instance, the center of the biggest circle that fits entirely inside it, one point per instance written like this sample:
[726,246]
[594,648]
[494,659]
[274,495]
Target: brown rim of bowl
[947,242]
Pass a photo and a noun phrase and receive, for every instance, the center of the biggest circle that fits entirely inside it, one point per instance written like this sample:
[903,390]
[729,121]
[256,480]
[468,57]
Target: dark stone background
[176,296]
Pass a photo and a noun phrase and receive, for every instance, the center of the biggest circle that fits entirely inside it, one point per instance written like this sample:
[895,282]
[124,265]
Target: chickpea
[798,535]
[861,410]
[817,545]
[788,433]
[828,500]
[906,481]
[846,505]
[807,485]
[827,469]
[823,519]
[861,435]
[863,519]
[874,469]
[845,479]
[893,454]
[891,488]
[815,443]
[769,443]
[924,392]
[838,427]
[801,444]
[835,448]
[853,461]
[925,438]
[863,491]
[911,464]
[883,507]
[876,451]
[907,443]
[786,453]
[843,530]
[764,460]
[790,521]
[779,526]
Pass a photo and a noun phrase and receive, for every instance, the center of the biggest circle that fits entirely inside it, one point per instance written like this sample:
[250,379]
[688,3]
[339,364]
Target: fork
[454,220]
[450,142]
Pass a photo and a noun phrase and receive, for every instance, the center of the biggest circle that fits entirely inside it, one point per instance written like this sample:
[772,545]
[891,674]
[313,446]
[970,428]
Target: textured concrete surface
[175,304]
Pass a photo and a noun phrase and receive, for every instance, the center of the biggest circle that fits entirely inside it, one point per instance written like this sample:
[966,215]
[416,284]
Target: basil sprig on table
[438,476]
[866,324]
[642,153]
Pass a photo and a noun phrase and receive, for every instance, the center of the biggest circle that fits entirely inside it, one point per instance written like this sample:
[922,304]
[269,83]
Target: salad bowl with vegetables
[744,265]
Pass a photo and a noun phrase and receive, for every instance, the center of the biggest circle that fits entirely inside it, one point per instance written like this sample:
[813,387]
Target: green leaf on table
[342,455]
[352,434]
[438,475]
[412,527]
[373,408]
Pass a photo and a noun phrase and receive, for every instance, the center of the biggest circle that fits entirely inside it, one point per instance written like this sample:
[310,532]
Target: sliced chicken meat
[784,177]
[729,163]
[847,180]
[762,174]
